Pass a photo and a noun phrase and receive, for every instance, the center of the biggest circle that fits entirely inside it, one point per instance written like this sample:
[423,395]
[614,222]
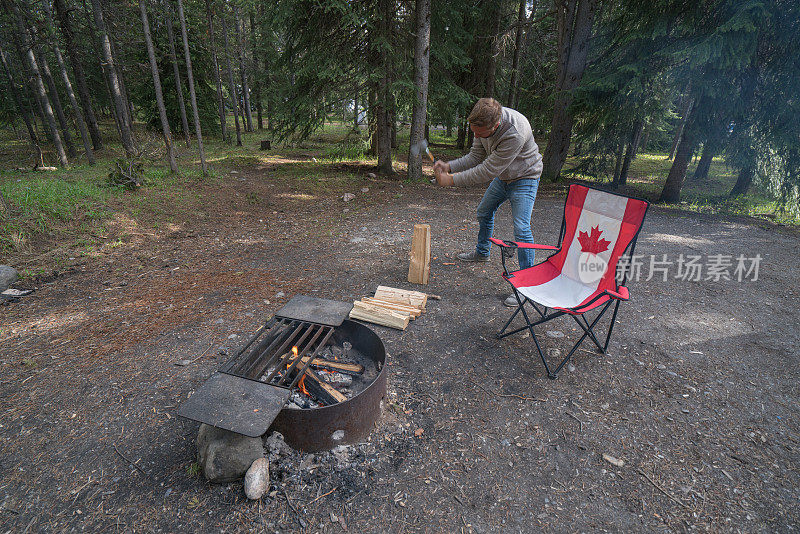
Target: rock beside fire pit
[226,456]
[256,481]
[8,275]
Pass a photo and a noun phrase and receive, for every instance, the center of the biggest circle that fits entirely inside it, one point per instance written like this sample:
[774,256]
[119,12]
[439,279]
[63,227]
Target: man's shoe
[472,256]
[511,301]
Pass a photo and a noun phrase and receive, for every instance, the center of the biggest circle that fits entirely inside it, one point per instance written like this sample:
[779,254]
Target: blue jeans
[521,193]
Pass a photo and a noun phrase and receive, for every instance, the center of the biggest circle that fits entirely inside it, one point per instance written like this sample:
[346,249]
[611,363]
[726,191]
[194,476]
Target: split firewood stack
[390,307]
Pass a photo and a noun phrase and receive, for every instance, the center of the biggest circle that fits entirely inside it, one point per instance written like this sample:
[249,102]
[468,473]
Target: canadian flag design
[571,276]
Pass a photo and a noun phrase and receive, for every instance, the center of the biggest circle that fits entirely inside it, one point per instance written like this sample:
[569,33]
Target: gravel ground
[694,407]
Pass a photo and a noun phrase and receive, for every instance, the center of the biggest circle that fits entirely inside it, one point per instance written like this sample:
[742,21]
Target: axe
[420,147]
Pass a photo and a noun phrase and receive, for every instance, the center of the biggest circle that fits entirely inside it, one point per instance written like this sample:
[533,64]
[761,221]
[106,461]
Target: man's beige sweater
[510,153]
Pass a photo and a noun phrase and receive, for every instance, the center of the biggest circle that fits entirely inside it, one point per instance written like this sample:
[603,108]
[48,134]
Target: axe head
[419,148]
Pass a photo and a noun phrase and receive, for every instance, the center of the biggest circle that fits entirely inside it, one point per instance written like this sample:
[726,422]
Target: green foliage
[41,197]
[353,147]
[141,88]
[193,469]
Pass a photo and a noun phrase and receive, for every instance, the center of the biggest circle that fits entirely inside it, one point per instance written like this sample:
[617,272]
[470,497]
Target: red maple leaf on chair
[592,243]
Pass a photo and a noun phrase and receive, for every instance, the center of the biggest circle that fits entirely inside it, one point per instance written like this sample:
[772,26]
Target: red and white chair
[599,228]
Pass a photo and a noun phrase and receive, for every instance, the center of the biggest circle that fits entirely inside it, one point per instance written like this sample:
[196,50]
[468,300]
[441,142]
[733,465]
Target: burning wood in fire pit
[325,382]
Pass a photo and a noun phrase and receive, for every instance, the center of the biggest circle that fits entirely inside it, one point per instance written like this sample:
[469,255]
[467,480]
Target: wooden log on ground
[414,311]
[402,296]
[378,315]
[420,266]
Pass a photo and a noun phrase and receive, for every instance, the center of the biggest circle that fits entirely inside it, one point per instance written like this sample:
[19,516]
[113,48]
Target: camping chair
[599,228]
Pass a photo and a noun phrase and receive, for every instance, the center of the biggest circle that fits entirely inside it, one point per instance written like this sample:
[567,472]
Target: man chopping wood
[505,154]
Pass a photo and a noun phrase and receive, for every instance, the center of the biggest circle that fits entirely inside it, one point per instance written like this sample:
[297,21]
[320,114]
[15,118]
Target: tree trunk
[55,100]
[512,86]
[710,149]
[80,77]
[494,49]
[32,92]
[241,110]
[162,111]
[240,49]
[231,84]
[461,139]
[76,110]
[192,95]
[113,81]
[37,82]
[355,109]
[372,126]
[120,68]
[575,18]
[617,166]
[21,108]
[177,75]
[677,173]
[393,120]
[421,69]
[679,130]
[633,146]
[256,73]
[220,99]
[743,181]
[382,112]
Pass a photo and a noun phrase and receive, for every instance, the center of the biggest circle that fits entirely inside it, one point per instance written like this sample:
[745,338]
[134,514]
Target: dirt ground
[697,396]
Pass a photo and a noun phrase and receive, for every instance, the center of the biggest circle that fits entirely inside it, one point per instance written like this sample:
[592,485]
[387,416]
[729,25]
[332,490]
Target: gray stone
[226,456]
[276,446]
[8,275]
[256,480]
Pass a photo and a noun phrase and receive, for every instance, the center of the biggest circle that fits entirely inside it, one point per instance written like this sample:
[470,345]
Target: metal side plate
[314,310]
[237,404]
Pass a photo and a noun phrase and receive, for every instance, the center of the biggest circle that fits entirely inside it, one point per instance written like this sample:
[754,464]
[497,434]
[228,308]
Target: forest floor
[697,396]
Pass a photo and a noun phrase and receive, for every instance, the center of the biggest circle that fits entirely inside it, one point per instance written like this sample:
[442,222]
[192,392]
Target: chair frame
[579,312]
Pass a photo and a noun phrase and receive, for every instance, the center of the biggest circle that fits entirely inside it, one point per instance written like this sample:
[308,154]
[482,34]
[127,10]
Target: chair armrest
[621,293]
[515,244]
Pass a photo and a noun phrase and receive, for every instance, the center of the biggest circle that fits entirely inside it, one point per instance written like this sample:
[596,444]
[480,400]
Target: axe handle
[430,156]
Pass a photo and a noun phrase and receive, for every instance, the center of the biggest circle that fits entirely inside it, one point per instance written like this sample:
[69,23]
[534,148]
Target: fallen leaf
[418,432]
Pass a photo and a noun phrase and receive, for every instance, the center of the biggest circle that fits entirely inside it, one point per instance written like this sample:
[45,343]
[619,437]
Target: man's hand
[441,166]
[443,178]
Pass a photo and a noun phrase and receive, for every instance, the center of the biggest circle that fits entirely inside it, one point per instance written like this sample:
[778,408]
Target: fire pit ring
[257,390]
[343,423]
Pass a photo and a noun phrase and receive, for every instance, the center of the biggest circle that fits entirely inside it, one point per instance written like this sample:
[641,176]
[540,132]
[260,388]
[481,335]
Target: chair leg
[611,326]
[586,333]
[500,334]
[550,375]
[588,329]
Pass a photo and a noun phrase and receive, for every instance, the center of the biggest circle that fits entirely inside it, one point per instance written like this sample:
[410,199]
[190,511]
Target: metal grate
[267,355]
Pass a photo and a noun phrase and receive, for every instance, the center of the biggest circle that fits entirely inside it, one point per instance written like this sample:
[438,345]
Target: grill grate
[267,355]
